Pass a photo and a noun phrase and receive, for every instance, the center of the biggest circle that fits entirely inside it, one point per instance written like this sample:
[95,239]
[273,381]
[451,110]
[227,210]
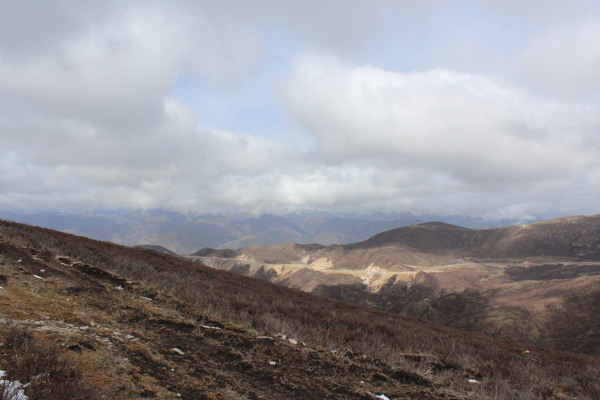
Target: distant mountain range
[186,233]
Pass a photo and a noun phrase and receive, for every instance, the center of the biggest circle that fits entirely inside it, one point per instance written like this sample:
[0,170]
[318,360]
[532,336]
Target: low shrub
[49,373]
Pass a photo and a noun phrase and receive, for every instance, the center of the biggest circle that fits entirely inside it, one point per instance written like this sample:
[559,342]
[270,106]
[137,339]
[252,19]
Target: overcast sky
[483,108]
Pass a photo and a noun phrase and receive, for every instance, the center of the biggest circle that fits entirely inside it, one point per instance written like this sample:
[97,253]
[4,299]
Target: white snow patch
[146,298]
[39,277]
[292,341]
[1,287]
[382,397]
[119,288]
[473,380]
[209,327]
[176,350]
[272,363]
[13,389]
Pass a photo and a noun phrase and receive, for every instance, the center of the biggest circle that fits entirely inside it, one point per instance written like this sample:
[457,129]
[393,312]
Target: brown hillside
[537,283]
[139,324]
[569,237]
[436,243]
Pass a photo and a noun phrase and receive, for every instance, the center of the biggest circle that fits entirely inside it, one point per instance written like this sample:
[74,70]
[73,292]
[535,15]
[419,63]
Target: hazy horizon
[481,109]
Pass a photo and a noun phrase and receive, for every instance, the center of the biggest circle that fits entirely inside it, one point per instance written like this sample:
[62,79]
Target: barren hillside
[536,283]
[132,323]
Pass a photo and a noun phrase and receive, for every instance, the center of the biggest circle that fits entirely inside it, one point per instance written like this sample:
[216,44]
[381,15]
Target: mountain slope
[536,283]
[142,324]
[569,237]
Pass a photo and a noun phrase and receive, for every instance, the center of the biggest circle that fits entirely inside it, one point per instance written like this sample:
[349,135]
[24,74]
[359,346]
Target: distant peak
[437,224]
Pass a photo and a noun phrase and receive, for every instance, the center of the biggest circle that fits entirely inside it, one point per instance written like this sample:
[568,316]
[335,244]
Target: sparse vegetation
[414,350]
[45,368]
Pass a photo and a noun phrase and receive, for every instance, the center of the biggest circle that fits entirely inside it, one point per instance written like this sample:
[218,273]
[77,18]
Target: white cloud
[474,128]
[565,61]
[89,115]
[118,71]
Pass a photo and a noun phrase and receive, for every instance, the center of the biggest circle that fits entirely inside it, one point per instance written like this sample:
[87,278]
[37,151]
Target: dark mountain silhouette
[156,248]
[570,237]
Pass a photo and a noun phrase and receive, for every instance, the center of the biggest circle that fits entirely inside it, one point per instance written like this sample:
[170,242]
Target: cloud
[565,61]
[117,71]
[106,105]
[478,129]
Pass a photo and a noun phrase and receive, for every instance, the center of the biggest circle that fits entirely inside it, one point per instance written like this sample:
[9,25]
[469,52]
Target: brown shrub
[49,372]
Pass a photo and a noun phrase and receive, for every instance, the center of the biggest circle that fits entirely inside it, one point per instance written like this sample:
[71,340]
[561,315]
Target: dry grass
[446,356]
[51,374]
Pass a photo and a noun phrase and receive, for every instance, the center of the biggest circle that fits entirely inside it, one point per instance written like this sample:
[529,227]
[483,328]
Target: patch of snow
[292,341]
[39,277]
[473,380]
[209,327]
[146,298]
[119,288]
[37,259]
[1,287]
[19,260]
[12,389]
[176,350]
[272,363]
[382,397]
[42,270]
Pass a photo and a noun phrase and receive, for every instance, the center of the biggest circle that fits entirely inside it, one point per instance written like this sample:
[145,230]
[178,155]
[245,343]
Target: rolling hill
[88,319]
[536,283]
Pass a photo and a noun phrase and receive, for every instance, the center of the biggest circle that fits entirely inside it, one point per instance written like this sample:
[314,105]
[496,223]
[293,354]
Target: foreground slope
[537,283]
[141,324]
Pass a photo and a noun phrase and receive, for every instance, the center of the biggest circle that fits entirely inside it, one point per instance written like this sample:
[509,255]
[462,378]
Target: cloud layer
[92,113]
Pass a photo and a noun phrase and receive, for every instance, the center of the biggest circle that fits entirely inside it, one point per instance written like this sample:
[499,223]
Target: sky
[486,108]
